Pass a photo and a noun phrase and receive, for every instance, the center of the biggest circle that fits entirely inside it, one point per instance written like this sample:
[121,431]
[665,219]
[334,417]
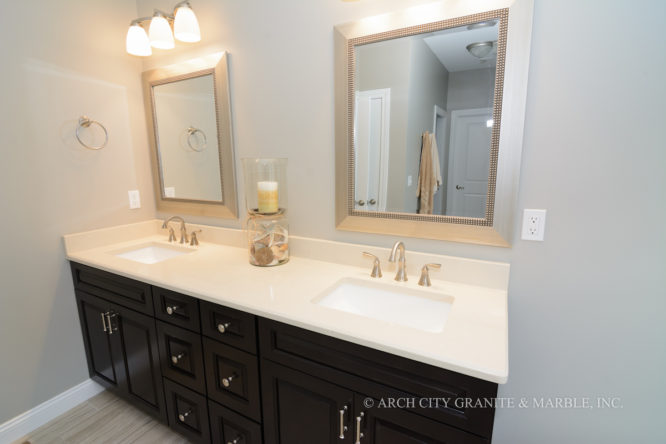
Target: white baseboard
[36,417]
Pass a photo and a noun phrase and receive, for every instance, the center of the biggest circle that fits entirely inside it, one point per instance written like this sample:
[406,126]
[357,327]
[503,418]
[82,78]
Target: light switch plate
[134,199]
[169,191]
[534,225]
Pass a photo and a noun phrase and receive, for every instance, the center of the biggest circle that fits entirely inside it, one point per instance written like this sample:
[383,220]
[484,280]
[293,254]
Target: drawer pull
[103,322]
[183,416]
[177,357]
[236,440]
[226,382]
[359,435]
[222,328]
[171,309]
[343,427]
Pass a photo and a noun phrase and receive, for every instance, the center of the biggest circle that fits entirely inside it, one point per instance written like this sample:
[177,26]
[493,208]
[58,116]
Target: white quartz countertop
[474,341]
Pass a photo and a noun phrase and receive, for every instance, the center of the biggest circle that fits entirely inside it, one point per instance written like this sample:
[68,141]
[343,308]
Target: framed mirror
[189,125]
[430,107]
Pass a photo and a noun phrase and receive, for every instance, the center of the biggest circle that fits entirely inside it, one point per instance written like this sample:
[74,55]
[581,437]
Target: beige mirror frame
[509,110]
[217,65]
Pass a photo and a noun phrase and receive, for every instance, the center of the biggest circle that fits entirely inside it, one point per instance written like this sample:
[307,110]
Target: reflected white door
[469,162]
[371,145]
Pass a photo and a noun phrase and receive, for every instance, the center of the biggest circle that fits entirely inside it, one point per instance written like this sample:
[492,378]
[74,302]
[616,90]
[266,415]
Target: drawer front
[188,412]
[389,375]
[233,327]
[232,378]
[181,356]
[176,309]
[118,289]
[230,427]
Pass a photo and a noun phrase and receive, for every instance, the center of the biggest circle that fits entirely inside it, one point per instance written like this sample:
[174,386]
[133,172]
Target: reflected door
[372,149]
[469,162]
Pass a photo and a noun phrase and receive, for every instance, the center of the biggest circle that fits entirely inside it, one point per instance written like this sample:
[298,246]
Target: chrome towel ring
[85,122]
[192,131]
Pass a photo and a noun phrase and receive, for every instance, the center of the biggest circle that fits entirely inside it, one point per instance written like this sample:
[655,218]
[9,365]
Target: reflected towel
[429,174]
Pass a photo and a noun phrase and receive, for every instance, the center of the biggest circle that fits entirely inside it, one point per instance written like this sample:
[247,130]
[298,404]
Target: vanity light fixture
[185,29]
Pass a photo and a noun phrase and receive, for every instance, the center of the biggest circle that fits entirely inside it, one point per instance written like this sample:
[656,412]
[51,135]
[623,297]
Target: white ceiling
[450,45]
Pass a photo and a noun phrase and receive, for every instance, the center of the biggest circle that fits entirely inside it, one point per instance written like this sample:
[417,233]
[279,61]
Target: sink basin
[410,307]
[153,253]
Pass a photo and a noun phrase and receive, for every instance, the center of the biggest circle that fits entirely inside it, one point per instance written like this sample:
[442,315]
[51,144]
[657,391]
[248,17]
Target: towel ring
[192,131]
[85,122]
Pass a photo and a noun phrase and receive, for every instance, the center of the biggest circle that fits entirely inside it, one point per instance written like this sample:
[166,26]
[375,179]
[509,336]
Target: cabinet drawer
[232,378]
[385,375]
[176,308]
[181,356]
[229,427]
[120,290]
[233,327]
[188,412]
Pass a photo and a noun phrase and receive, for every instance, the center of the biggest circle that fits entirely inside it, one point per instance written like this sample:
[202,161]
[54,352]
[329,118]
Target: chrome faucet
[401,274]
[183,231]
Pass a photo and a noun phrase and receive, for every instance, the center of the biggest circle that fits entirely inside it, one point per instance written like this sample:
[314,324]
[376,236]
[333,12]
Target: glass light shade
[480,49]
[160,33]
[186,26]
[137,42]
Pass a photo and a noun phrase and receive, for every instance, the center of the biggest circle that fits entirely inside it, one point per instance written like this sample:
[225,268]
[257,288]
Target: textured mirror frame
[509,110]
[217,65]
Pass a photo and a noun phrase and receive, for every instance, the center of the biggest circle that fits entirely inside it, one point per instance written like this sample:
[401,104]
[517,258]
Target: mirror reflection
[187,143]
[423,120]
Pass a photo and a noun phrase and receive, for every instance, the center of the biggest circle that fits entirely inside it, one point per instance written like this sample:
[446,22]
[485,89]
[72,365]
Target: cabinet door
[386,425]
[142,380]
[299,408]
[103,366]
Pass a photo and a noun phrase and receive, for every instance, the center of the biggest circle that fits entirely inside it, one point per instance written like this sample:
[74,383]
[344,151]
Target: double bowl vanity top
[459,323]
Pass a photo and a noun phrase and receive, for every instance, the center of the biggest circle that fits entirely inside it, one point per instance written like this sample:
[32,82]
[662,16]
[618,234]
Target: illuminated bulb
[160,33]
[489,123]
[137,42]
[186,26]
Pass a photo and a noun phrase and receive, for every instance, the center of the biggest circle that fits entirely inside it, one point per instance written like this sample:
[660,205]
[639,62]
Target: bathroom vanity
[226,352]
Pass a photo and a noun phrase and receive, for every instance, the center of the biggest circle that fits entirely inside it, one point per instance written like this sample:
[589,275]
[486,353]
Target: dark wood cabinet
[217,374]
[299,408]
[121,346]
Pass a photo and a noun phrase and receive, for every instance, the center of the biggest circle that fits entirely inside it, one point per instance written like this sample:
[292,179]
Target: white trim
[437,112]
[36,417]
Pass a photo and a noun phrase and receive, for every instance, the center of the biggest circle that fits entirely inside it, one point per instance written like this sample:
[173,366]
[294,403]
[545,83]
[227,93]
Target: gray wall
[59,60]
[586,306]
[382,65]
[427,87]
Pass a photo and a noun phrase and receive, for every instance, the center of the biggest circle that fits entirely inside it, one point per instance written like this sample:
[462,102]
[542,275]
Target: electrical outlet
[534,224]
[169,191]
[134,199]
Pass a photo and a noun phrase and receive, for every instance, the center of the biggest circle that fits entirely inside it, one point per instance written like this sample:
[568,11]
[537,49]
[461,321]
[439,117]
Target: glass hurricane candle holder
[266,205]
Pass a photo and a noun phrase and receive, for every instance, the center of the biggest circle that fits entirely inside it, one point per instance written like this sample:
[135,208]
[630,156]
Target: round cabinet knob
[372,201]
[177,358]
[360,203]
[222,328]
[226,382]
[460,187]
[237,440]
[183,416]
[171,310]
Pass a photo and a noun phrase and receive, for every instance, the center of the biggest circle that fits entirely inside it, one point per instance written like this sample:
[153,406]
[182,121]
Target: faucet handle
[424,280]
[172,235]
[376,268]
[193,239]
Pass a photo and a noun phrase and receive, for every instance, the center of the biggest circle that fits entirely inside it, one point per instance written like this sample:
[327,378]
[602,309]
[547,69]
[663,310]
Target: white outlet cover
[169,191]
[134,199]
[534,225]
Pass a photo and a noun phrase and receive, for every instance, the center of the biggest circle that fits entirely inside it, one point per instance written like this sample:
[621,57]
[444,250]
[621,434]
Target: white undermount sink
[394,303]
[153,253]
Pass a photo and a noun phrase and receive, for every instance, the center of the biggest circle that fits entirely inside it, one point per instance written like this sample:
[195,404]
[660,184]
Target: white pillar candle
[267,194]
